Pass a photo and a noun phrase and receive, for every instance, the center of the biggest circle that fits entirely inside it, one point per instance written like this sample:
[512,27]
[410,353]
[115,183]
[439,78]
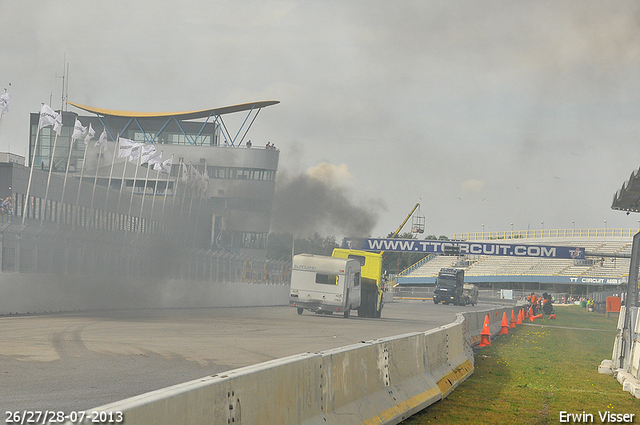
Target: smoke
[318,201]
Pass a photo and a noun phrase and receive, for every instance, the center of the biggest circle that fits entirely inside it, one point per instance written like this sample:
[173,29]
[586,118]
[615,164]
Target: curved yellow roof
[188,115]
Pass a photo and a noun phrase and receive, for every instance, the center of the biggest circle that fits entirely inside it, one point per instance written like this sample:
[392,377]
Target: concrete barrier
[41,292]
[382,381]
[626,371]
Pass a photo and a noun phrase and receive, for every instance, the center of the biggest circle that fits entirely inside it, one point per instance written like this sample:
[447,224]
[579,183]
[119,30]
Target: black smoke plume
[305,204]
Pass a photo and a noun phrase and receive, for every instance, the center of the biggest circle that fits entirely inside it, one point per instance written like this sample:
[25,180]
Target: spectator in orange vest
[534,303]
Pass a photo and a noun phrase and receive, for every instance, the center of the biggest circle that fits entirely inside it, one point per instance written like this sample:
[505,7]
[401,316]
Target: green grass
[530,375]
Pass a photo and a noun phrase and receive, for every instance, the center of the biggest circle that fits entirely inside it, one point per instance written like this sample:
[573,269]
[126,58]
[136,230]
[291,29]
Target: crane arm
[405,220]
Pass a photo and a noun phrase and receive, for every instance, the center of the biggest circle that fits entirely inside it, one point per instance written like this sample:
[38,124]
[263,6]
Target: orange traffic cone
[538,316]
[513,320]
[485,335]
[530,312]
[552,317]
[504,329]
[520,314]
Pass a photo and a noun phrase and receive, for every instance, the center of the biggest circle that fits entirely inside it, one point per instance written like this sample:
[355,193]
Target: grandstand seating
[487,265]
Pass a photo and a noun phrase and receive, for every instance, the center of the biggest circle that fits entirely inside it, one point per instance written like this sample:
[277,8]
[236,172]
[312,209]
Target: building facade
[217,195]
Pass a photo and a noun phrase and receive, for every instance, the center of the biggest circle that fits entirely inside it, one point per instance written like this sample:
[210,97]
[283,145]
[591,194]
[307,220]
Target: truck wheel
[300,310]
[347,313]
[435,301]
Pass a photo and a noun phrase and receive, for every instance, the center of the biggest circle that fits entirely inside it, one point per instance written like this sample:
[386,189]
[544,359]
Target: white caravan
[325,284]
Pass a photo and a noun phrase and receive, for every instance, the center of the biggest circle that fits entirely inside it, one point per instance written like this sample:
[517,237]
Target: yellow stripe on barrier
[403,407]
[455,375]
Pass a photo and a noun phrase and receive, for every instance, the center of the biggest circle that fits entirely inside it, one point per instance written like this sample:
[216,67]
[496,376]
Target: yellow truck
[371,293]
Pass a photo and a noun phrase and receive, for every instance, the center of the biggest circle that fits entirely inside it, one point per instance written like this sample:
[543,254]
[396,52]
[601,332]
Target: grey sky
[492,112]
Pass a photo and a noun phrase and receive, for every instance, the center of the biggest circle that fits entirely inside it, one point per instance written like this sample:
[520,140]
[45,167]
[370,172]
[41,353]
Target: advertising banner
[464,248]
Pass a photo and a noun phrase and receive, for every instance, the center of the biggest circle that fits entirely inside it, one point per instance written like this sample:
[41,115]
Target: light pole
[573,223]
[483,231]
[542,224]
[605,227]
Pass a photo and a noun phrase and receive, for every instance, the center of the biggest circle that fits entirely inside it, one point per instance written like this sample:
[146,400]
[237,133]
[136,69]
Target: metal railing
[547,233]
[83,252]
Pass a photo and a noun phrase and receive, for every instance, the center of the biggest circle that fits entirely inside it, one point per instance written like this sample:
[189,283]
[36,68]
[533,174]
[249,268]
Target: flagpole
[1,115]
[201,193]
[193,191]
[84,163]
[184,195]
[144,191]
[95,181]
[46,193]
[113,161]
[32,160]
[155,188]
[5,105]
[66,173]
[122,183]
[176,187]
[133,187]
[166,189]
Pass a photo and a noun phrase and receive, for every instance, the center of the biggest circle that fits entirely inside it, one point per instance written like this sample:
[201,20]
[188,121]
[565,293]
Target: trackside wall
[626,370]
[381,381]
[43,292]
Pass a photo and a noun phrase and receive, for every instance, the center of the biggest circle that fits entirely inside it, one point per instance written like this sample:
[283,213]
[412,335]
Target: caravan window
[356,279]
[326,279]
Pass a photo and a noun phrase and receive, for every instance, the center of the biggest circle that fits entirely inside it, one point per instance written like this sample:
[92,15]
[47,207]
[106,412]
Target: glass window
[360,258]
[326,279]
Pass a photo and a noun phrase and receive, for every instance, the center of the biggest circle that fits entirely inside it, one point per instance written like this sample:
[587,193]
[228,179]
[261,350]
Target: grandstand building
[526,274]
[219,189]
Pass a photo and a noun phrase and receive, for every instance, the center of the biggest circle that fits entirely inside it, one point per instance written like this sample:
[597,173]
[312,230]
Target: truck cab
[325,284]
[449,287]
[372,296]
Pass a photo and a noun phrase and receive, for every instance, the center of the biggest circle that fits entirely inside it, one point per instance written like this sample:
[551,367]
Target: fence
[549,233]
[86,252]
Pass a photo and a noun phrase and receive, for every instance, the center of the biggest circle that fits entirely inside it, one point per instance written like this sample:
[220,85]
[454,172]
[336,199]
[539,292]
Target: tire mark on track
[68,342]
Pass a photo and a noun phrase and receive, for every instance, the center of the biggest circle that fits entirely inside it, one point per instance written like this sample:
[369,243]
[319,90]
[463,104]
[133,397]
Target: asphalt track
[80,360]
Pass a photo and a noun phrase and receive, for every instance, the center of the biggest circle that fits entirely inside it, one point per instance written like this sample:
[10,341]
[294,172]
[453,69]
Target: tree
[279,245]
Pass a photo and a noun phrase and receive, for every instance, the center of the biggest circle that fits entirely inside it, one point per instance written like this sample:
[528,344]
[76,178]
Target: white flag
[185,173]
[90,135]
[135,151]
[164,167]
[204,181]
[57,126]
[47,116]
[155,158]
[101,143]
[4,102]
[79,131]
[124,147]
[194,174]
[148,151]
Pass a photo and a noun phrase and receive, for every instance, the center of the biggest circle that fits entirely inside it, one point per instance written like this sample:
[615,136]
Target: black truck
[449,287]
